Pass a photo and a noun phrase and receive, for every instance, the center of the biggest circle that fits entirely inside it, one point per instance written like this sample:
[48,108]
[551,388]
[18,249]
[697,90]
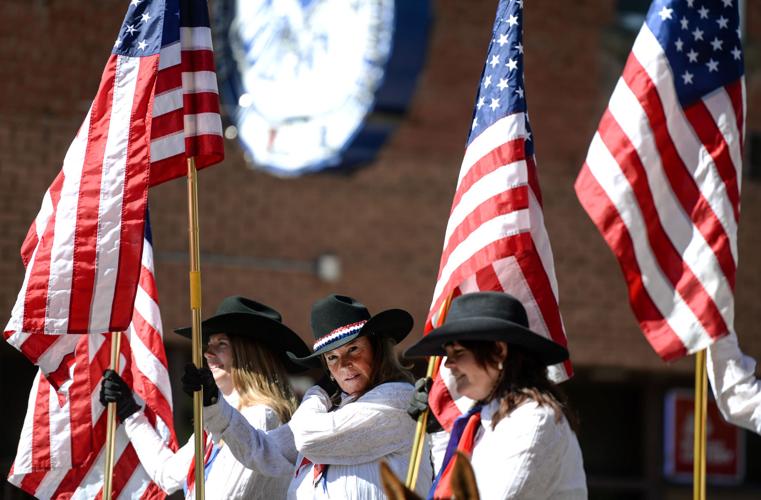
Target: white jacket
[227,478]
[528,456]
[352,440]
[735,386]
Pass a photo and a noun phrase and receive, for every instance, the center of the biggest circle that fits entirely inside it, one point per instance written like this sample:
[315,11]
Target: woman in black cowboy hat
[245,341]
[519,432]
[333,445]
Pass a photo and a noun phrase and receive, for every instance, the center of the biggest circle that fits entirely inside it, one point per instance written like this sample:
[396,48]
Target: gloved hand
[195,378]
[114,389]
[419,403]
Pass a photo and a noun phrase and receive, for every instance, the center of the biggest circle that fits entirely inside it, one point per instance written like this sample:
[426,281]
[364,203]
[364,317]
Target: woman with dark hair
[520,431]
[245,341]
[335,441]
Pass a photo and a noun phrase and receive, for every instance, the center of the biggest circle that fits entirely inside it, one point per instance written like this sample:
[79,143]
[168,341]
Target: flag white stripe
[199,81]
[542,242]
[167,146]
[61,255]
[202,124]
[672,307]
[167,102]
[60,431]
[695,157]
[502,131]
[688,242]
[170,55]
[195,38]
[499,227]
[498,181]
[720,106]
[112,193]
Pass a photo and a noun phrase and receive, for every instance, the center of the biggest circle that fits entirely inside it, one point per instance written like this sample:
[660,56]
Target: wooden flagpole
[108,467]
[195,309]
[417,445]
[699,443]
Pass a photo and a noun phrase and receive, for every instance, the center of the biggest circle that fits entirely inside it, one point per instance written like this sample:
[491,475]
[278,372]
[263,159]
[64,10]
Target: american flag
[662,176]
[61,448]
[157,104]
[495,238]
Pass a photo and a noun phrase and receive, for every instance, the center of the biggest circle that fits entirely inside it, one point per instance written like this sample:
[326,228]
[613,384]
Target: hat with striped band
[338,319]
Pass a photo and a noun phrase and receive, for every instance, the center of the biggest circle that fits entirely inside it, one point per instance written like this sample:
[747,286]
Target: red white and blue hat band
[338,334]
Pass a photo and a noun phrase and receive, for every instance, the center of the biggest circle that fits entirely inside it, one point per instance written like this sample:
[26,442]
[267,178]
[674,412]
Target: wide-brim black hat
[338,319]
[489,316]
[242,317]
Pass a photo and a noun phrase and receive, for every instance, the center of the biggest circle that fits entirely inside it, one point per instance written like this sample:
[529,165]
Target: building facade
[263,236]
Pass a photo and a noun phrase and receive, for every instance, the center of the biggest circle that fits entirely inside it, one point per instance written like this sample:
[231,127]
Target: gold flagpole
[417,445]
[699,446]
[108,467]
[195,308]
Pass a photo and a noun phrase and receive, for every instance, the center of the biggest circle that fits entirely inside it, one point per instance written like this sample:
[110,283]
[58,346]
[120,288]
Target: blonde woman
[245,342]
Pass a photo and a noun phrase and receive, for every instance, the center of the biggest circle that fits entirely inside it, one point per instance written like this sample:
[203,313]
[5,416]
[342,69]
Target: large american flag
[495,238]
[157,105]
[61,448]
[662,177]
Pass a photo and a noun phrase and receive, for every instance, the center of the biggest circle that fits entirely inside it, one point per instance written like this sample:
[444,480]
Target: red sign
[725,443]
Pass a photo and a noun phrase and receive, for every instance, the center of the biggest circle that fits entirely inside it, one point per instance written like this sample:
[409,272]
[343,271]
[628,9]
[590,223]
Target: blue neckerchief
[206,468]
[454,439]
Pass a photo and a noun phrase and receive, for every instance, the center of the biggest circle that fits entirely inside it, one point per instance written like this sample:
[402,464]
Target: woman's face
[472,379]
[351,365]
[219,357]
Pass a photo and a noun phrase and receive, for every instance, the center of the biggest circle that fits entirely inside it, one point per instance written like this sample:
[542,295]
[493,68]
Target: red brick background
[386,221]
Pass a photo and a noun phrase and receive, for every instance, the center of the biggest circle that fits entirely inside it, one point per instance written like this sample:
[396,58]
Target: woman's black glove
[419,403]
[195,378]
[115,390]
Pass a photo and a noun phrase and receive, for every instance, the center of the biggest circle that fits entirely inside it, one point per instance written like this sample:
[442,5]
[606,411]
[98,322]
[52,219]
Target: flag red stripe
[148,284]
[32,481]
[135,198]
[31,240]
[34,346]
[201,102]
[167,124]
[124,468]
[491,252]
[670,261]
[36,293]
[147,388]
[541,289]
[41,437]
[168,79]
[711,137]
[734,91]
[502,155]
[502,203]
[86,232]
[682,183]
[206,148]
[61,374]
[79,406]
[533,179]
[603,213]
[197,60]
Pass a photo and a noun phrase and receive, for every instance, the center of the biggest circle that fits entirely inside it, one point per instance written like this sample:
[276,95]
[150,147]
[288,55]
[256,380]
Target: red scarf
[462,439]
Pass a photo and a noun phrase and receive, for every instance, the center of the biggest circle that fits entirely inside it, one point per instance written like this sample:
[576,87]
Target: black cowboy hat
[248,318]
[488,316]
[338,319]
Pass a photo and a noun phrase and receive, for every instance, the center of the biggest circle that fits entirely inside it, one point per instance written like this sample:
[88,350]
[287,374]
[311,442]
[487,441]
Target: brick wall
[386,221]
